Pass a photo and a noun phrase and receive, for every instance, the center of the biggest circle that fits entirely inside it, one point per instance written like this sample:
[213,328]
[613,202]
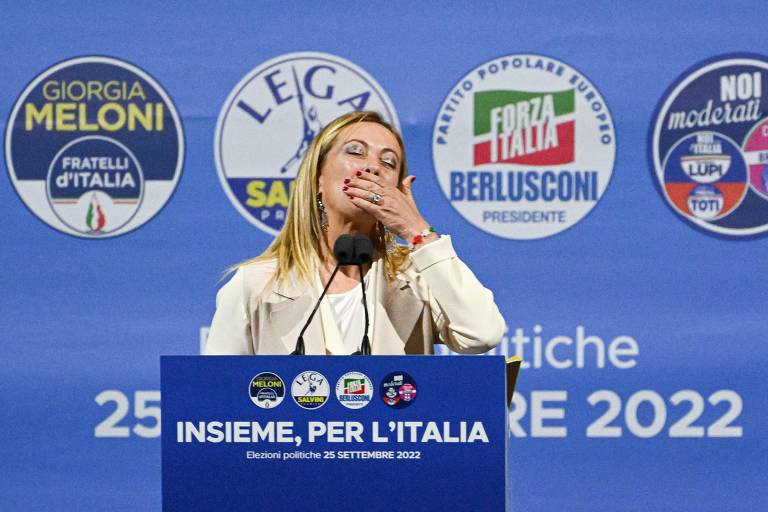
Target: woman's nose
[372,167]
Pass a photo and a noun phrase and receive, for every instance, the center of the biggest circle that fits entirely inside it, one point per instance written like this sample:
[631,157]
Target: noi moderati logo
[271,117]
[523,146]
[94,147]
[708,146]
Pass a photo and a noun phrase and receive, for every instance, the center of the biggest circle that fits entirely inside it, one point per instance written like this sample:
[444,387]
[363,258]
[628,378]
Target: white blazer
[437,299]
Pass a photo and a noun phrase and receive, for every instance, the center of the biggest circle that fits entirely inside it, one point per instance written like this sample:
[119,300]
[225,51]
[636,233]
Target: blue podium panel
[383,433]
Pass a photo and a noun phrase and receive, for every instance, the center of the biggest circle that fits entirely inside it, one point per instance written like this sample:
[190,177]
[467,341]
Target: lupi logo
[708,146]
[270,118]
[94,147]
[523,146]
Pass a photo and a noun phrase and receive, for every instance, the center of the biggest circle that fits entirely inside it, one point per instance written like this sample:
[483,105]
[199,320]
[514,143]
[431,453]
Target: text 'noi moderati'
[331,432]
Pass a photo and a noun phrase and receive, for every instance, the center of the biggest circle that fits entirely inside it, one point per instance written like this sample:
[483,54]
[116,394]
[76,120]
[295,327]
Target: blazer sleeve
[463,310]
[230,332]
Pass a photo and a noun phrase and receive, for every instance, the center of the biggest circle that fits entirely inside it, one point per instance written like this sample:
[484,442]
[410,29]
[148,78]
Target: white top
[347,309]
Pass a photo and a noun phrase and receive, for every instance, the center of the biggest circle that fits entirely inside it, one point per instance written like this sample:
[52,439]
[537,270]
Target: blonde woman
[353,179]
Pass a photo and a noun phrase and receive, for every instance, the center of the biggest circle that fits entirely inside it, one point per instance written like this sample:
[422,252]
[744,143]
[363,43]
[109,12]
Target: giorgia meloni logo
[270,118]
[708,146]
[523,146]
[94,147]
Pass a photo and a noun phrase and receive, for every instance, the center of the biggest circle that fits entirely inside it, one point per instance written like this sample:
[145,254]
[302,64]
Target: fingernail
[413,178]
[359,173]
[346,180]
[344,188]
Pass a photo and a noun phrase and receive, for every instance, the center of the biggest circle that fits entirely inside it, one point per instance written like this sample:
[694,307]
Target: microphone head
[344,250]
[363,249]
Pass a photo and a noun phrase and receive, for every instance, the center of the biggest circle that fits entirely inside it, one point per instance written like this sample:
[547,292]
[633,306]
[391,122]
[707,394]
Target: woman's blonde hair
[299,246]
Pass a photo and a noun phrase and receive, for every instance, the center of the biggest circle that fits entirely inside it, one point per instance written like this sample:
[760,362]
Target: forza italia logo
[523,146]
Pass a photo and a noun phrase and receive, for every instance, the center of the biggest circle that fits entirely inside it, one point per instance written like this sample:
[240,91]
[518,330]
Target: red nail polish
[359,173]
[344,188]
[413,179]
[346,180]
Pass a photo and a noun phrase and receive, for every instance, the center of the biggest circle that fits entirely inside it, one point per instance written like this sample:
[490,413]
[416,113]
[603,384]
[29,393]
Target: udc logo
[94,147]
[523,146]
[267,390]
[708,146]
[270,118]
[310,390]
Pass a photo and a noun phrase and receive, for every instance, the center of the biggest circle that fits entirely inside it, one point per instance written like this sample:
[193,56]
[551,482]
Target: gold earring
[321,209]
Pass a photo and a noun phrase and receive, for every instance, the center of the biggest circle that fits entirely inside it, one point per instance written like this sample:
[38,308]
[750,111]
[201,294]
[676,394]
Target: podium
[322,433]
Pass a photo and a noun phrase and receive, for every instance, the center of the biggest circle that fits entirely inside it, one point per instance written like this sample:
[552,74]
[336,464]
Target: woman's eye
[355,150]
[389,163]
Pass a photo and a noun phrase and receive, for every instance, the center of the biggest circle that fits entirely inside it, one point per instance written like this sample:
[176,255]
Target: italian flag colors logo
[522,127]
[94,218]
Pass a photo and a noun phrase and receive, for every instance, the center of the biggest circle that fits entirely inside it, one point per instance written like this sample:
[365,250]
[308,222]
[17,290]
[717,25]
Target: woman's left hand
[395,209]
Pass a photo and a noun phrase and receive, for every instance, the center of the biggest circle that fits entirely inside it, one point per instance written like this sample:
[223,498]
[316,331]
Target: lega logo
[94,147]
[708,146]
[270,118]
[310,390]
[524,146]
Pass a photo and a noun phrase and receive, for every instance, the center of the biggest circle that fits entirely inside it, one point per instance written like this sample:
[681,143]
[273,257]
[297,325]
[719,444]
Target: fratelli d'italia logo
[94,147]
[270,118]
[524,146]
[708,146]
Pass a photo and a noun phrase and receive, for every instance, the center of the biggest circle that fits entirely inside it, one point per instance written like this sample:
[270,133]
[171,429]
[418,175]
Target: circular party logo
[270,118]
[524,146]
[709,146]
[267,390]
[310,390]
[398,390]
[354,390]
[94,147]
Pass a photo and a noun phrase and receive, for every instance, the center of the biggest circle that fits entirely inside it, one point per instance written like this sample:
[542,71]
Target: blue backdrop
[670,422]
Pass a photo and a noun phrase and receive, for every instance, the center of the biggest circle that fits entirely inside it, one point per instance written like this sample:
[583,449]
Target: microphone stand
[299,350]
[365,347]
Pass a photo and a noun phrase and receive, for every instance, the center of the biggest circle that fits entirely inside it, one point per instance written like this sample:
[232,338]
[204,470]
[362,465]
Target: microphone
[363,254]
[344,252]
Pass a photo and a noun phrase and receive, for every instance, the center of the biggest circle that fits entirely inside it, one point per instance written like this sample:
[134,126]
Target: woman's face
[358,147]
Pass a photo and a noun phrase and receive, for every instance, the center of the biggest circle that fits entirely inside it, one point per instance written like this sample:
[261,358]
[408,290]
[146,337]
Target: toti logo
[94,147]
[523,146]
[709,146]
[270,118]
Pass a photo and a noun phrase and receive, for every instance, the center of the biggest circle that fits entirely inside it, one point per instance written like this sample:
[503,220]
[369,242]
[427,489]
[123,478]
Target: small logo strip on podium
[398,390]
[354,390]
[310,390]
[267,390]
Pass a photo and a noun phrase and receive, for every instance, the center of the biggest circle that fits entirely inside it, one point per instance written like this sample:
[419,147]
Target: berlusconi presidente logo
[94,146]
[270,118]
[354,390]
[524,146]
[708,146]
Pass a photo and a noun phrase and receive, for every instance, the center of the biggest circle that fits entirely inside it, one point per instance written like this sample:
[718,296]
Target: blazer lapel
[287,309]
[397,313]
